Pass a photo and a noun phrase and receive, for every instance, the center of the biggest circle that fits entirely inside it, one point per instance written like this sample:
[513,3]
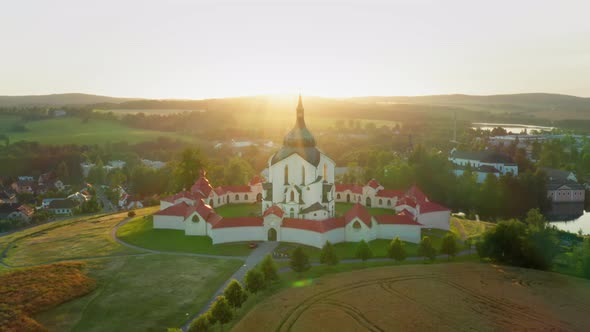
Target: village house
[482,163]
[298,203]
[62,206]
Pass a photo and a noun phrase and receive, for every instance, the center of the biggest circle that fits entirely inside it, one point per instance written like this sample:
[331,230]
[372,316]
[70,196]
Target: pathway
[257,255]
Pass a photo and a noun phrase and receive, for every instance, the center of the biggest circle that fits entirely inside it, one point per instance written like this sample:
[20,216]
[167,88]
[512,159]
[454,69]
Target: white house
[482,163]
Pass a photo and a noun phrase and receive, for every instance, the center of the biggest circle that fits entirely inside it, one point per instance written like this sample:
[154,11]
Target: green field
[75,131]
[149,111]
[239,210]
[72,240]
[342,208]
[465,228]
[145,293]
[140,232]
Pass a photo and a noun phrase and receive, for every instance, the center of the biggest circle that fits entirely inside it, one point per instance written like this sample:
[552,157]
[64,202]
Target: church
[298,203]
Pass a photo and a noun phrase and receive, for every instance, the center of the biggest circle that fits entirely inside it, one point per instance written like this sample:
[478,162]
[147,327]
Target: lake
[513,127]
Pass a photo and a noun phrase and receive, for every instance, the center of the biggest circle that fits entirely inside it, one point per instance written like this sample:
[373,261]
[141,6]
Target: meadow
[70,130]
[76,239]
[141,293]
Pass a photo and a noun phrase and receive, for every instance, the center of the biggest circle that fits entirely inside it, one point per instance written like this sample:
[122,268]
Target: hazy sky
[199,49]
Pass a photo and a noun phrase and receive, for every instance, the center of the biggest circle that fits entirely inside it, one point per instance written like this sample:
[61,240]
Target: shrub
[426,249]
[220,311]
[299,260]
[328,255]
[363,251]
[254,280]
[396,250]
[131,214]
[201,324]
[235,294]
[269,269]
[449,245]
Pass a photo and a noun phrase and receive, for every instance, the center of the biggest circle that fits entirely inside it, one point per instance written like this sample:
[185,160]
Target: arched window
[388,202]
[292,213]
[286,174]
[237,197]
[338,196]
[356,225]
[246,197]
[325,172]
[380,201]
[292,196]
[302,174]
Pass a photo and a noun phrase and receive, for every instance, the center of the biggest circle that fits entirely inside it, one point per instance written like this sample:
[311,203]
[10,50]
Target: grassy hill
[58,100]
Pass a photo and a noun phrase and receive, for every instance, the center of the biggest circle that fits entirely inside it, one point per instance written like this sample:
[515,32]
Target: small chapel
[298,203]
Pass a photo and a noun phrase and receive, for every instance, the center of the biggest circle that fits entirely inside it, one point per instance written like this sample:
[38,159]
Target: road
[106,204]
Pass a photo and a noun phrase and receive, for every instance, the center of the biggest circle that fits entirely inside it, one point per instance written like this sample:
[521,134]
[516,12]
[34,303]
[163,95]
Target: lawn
[239,210]
[342,208]
[89,237]
[74,131]
[140,232]
[347,250]
[145,293]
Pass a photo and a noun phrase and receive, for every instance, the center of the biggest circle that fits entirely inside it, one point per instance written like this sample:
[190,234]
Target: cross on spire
[300,118]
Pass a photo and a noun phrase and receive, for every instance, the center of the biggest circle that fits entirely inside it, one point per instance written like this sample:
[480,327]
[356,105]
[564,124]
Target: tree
[269,269]
[62,172]
[328,255]
[396,250]
[221,311]
[449,245]
[188,168]
[363,251]
[426,249]
[535,218]
[235,294]
[299,260]
[237,171]
[254,281]
[201,324]
[582,258]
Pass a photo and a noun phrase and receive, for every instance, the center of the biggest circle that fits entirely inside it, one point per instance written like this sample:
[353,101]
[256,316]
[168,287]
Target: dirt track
[442,297]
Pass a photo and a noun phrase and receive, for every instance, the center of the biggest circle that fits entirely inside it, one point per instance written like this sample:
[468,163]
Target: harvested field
[445,297]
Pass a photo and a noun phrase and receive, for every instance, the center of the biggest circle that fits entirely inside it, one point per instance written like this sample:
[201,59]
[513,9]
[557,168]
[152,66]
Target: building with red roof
[298,203]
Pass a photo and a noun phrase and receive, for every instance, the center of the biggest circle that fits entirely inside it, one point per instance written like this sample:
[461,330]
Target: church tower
[301,176]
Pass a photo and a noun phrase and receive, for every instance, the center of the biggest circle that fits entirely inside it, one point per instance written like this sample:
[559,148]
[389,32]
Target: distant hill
[59,100]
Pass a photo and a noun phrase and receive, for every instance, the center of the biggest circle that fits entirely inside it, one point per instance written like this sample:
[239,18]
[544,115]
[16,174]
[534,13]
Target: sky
[208,49]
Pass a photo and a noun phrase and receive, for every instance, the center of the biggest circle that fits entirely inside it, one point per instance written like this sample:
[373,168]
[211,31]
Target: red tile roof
[426,207]
[26,210]
[181,209]
[358,211]
[256,180]
[415,192]
[389,193]
[352,187]
[236,189]
[402,218]
[276,210]
[202,185]
[409,201]
[319,226]
[183,194]
[373,184]
[238,222]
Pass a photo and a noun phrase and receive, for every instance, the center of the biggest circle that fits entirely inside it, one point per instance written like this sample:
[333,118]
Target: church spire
[300,119]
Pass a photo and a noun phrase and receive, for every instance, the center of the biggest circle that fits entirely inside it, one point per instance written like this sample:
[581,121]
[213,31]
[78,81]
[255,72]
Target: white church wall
[409,233]
[195,228]
[237,234]
[438,219]
[302,236]
[364,232]
[168,222]
[335,235]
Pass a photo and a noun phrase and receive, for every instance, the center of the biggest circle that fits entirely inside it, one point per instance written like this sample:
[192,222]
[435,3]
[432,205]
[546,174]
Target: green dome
[300,141]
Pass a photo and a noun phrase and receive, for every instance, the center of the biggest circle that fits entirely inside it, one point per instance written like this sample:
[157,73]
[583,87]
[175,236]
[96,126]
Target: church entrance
[259,197]
[272,234]
[347,198]
[368,202]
